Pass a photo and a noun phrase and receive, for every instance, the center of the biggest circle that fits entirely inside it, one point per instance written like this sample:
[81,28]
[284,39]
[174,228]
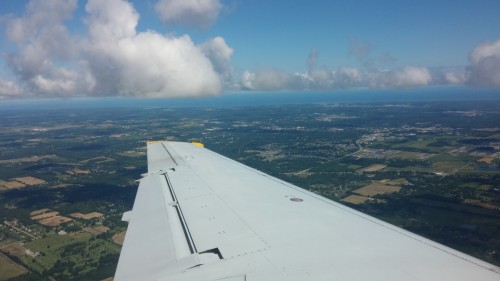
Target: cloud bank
[112,58]
[341,78]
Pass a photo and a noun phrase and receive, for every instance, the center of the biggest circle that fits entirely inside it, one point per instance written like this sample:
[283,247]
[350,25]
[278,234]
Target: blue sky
[177,48]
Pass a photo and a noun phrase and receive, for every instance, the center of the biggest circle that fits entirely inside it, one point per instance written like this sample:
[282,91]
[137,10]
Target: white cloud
[124,62]
[152,65]
[195,13]
[484,68]
[112,58]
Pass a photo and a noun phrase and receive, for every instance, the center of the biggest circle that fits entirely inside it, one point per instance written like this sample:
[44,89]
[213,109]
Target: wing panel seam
[185,228]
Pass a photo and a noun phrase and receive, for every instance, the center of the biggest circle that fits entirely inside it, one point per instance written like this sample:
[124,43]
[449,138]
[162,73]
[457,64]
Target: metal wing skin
[201,216]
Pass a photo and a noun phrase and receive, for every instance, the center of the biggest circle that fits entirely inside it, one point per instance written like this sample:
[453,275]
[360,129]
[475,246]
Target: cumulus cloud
[484,68]
[124,62]
[194,13]
[112,58]
[152,65]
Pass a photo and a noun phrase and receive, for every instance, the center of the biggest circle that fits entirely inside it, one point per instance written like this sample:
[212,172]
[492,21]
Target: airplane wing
[201,216]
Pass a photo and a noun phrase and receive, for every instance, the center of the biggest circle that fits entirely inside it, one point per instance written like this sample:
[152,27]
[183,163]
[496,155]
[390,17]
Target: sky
[196,48]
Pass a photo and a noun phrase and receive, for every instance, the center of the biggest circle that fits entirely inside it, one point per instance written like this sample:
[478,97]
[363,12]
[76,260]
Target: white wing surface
[201,216]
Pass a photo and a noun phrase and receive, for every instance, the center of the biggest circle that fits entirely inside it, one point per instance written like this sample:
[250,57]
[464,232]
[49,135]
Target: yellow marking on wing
[198,144]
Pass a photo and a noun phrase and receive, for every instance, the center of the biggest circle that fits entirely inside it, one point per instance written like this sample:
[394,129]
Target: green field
[81,250]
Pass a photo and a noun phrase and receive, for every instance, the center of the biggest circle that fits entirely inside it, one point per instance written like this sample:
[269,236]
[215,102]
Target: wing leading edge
[201,216]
